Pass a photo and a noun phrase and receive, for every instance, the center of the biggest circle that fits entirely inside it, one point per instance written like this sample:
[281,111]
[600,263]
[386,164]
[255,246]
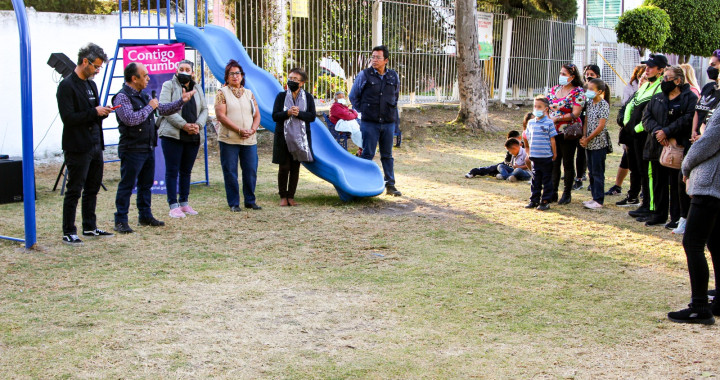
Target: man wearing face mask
[180,137]
[655,66]
[82,142]
[345,119]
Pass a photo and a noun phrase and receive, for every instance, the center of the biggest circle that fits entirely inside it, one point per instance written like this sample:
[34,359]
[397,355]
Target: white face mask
[342,101]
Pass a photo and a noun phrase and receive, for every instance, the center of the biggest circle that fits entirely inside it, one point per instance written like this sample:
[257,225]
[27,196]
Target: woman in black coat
[667,115]
[292,107]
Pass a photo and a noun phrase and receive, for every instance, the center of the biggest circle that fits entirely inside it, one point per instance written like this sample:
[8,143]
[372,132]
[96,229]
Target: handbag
[573,131]
[672,155]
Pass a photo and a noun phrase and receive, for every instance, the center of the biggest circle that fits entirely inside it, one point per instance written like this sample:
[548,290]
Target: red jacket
[341,112]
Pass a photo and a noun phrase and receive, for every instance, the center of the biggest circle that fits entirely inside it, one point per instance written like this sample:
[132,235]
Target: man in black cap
[633,127]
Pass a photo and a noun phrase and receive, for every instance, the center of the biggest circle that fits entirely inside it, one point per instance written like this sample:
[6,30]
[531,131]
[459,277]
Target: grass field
[453,280]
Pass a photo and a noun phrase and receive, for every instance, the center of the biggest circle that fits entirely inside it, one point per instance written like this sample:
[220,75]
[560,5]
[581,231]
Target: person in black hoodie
[668,115]
[82,142]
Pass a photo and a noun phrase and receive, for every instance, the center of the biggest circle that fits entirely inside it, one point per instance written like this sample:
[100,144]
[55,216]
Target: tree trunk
[473,89]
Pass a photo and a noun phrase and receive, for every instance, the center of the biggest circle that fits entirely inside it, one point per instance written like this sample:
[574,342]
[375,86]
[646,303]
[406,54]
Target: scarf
[295,134]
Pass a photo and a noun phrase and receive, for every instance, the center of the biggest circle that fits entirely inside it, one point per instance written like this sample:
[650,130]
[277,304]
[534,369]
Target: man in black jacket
[82,142]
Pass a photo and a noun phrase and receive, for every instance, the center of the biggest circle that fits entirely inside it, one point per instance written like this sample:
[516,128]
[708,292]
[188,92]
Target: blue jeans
[596,167]
[179,160]
[229,155]
[135,167]
[374,134]
[520,174]
[542,180]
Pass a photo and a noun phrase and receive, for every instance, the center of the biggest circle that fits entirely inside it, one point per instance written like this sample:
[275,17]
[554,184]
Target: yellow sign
[299,8]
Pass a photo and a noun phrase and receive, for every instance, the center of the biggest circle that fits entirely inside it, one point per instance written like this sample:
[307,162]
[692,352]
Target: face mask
[563,80]
[342,101]
[293,86]
[538,113]
[667,86]
[184,78]
[590,94]
[712,73]
[652,79]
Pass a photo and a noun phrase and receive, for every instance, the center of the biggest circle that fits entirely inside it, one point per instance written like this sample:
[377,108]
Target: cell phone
[116,107]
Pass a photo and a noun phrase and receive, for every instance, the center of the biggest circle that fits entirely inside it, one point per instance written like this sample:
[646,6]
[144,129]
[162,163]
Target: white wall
[49,33]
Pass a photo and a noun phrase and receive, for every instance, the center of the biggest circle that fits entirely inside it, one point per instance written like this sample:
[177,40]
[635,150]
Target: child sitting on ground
[540,147]
[494,170]
[518,169]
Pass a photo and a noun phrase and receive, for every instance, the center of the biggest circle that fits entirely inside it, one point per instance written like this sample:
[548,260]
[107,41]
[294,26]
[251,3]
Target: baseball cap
[656,60]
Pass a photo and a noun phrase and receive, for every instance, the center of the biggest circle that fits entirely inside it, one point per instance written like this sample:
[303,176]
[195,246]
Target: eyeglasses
[97,67]
[377,57]
[234,73]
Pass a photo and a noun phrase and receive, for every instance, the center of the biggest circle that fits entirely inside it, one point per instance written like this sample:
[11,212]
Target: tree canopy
[646,27]
[564,10]
[695,26]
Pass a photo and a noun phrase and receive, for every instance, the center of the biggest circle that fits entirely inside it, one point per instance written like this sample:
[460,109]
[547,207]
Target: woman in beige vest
[239,117]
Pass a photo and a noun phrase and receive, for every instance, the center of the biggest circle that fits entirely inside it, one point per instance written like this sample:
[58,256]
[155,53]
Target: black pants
[660,193]
[635,176]
[580,161]
[702,228]
[488,170]
[566,158]
[542,179]
[84,177]
[674,194]
[643,167]
[683,197]
[288,175]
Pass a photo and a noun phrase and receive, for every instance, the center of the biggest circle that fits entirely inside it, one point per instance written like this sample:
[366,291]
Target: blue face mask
[563,80]
[538,113]
[590,94]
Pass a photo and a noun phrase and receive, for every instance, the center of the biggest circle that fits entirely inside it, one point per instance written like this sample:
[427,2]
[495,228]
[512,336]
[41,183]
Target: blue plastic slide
[351,176]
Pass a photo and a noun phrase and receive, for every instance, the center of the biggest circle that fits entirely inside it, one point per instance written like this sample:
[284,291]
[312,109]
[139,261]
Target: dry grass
[453,280]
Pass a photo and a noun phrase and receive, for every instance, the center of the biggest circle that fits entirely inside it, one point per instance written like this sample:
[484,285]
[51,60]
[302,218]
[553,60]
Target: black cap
[656,60]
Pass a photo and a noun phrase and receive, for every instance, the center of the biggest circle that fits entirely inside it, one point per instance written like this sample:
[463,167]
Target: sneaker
[151,221]
[98,233]
[532,205]
[71,239]
[577,185]
[680,229]
[655,221]
[177,213]
[468,175]
[565,199]
[627,202]
[391,190]
[235,209]
[543,206]
[123,228]
[640,211]
[615,190]
[671,225]
[592,205]
[584,177]
[188,210]
[693,314]
[253,206]
[500,177]
[512,179]
[643,219]
[711,294]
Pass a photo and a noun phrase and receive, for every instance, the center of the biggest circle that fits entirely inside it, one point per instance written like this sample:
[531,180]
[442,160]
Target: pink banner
[158,59]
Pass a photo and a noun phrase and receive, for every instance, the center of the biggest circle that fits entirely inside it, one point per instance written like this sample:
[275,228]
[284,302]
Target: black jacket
[378,102]
[141,137]
[279,115]
[655,119]
[78,114]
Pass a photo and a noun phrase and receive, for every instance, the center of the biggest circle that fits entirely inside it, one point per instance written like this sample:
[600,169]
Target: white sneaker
[592,205]
[680,230]
[512,178]
[469,175]
[500,177]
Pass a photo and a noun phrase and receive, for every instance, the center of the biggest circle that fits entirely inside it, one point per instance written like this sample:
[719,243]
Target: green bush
[326,86]
[695,26]
[646,27]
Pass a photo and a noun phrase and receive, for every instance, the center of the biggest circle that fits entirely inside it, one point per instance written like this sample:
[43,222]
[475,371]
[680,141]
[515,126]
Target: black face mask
[712,73]
[652,79]
[667,86]
[293,86]
[184,78]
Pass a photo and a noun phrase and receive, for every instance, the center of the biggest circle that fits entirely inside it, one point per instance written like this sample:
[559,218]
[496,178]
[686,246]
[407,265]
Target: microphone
[154,96]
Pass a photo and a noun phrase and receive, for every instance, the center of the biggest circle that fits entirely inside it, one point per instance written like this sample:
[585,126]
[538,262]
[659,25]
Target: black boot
[565,199]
